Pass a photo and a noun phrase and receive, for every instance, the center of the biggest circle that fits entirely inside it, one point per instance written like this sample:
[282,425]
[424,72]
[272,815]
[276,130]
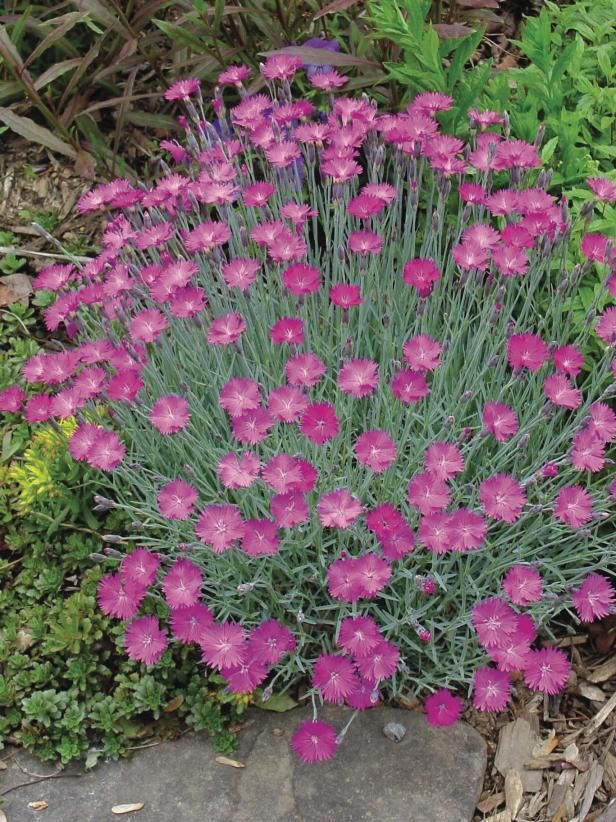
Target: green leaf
[280,703]
[36,134]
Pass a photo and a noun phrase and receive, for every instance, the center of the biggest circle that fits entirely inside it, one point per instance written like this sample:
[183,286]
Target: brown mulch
[553,759]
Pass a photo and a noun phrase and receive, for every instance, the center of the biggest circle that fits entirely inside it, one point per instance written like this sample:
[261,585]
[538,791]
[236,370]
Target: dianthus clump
[359,437]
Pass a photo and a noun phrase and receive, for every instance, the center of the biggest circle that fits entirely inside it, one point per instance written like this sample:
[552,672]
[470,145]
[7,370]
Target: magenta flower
[304,370]
[358,636]
[436,533]
[365,242]
[239,395]
[602,423]
[270,641]
[107,450]
[573,506]
[207,236]
[568,360]
[375,450]
[82,440]
[502,497]
[119,597]
[547,670]
[238,472]
[398,542]
[346,296]
[260,537]
[176,500]
[320,423]
[466,529]
[364,697]
[523,585]
[500,420]
[603,188]
[339,509]
[224,645]
[240,273]
[124,386]
[183,89]
[301,279]
[145,641]
[443,460]
[409,386]
[606,327]
[227,329]
[289,509]
[334,677]
[187,624]
[170,414]
[287,330]
[588,452]
[421,274]
[257,194]
[443,708]
[491,689]
[493,620]
[281,67]
[244,678]
[253,426]
[182,584]
[561,392]
[234,75]
[359,378]
[220,526]
[314,741]
[512,655]
[140,567]
[283,473]
[38,409]
[526,351]
[594,599]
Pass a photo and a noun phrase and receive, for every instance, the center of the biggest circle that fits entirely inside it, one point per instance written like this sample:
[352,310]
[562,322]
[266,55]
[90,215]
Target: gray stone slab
[432,775]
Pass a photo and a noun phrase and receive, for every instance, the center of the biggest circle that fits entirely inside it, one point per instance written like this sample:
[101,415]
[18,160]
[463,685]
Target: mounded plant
[344,388]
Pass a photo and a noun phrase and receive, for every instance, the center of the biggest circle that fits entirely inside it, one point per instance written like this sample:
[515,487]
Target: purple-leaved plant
[350,421]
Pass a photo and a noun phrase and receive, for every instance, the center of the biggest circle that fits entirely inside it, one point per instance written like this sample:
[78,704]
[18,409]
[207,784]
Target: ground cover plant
[353,444]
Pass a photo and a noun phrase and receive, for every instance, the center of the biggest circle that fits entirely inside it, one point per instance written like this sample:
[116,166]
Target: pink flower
[320,423]
[314,741]
[238,395]
[472,193]
[260,537]
[253,426]
[365,696]
[301,279]
[145,641]
[244,678]
[547,670]
[187,624]
[482,236]
[375,450]
[341,169]
[287,404]
[289,330]
[364,206]
[207,236]
[289,509]
[182,584]
[139,567]
[82,440]
[240,273]
[219,526]
[365,242]
[53,277]
[510,261]
[257,194]
[523,585]
[409,386]
[283,473]
[491,690]
[568,360]
[346,296]
[339,509]
[512,654]
[124,386]
[372,574]
[422,353]
[515,154]
[176,500]
[421,274]
[470,255]
[526,351]
[603,188]
[334,677]
[493,620]
[106,451]
[359,378]
[500,420]
[328,80]
[270,641]
[223,645]
[602,422]
[183,89]
[606,327]
[238,472]
[467,530]
[11,399]
[170,414]
[595,247]
[38,409]
[281,67]
[380,664]
[304,370]
[234,75]
[561,392]
[428,494]
[430,103]
[118,597]
[383,519]
[588,452]
[573,506]
[435,532]
[594,599]
[359,636]
[397,542]
[502,497]
[443,708]
[226,329]
[443,460]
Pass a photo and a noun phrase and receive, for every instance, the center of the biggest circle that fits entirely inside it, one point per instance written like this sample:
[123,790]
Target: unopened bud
[98,557]
[111,552]
[245,587]
[113,538]
[266,694]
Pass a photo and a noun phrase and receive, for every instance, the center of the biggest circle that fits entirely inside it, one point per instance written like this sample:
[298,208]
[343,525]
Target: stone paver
[432,775]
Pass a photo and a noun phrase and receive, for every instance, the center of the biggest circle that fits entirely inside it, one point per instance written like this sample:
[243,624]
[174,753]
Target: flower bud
[115,539]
